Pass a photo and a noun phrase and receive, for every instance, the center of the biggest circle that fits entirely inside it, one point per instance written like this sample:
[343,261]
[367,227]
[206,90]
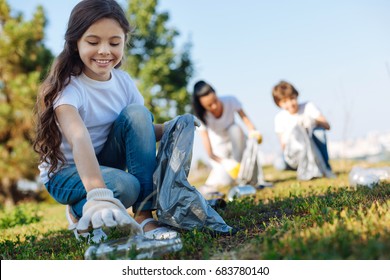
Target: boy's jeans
[319,138]
[127,163]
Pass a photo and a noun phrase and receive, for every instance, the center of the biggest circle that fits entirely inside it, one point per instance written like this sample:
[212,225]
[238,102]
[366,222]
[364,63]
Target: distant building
[373,147]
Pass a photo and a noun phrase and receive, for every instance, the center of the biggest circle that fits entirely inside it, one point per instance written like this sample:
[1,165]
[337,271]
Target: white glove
[306,121]
[256,135]
[232,167]
[102,209]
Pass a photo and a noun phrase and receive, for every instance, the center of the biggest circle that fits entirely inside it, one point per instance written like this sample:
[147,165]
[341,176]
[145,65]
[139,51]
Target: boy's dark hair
[283,90]
[201,88]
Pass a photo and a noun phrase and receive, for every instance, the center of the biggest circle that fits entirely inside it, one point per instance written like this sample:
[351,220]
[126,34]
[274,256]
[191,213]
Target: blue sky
[336,53]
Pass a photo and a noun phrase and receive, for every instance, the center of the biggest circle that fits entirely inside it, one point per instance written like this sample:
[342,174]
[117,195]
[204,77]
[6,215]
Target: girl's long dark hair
[67,64]
[201,88]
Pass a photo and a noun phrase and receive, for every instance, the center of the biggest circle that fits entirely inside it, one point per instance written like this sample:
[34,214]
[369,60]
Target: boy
[293,124]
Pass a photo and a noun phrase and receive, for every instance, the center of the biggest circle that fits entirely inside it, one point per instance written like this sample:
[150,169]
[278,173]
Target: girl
[96,140]
[223,139]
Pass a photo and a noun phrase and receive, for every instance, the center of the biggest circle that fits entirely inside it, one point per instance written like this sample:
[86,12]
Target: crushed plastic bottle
[133,248]
[368,177]
[241,191]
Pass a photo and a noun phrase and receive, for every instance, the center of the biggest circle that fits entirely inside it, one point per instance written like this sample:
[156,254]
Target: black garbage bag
[178,203]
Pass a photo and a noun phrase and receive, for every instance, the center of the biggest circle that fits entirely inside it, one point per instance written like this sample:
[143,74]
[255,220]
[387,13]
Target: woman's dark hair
[68,63]
[201,88]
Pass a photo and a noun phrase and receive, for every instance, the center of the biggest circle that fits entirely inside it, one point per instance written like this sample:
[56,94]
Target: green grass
[318,219]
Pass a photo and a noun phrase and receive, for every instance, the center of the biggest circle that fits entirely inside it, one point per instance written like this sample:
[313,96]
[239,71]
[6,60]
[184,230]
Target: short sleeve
[69,96]
[312,110]
[236,104]
[134,96]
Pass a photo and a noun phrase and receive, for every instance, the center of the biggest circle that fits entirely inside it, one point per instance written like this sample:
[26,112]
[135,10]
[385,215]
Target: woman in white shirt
[223,139]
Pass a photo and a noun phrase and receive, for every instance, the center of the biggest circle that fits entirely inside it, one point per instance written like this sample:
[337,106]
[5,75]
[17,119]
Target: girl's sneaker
[158,233]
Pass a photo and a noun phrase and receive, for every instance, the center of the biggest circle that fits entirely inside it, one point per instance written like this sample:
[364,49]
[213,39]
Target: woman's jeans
[319,138]
[127,162]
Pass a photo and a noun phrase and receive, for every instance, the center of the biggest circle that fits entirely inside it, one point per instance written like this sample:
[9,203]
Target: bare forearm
[322,122]
[87,165]
[248,123]
[282,144]
[79,140]
[208,148]
[214,157]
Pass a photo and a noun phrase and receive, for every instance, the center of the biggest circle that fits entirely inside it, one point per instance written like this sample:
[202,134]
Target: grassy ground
[318,219]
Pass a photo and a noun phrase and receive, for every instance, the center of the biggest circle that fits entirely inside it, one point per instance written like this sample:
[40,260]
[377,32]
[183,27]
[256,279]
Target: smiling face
[101,48]
[211,103]
[290,104]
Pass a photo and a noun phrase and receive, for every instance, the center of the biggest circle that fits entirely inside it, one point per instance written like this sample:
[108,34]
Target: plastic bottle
[368,176]
[133,248]
[241,191]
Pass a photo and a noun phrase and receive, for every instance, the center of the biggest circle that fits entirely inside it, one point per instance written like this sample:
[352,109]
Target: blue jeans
[127,162]
[319,138]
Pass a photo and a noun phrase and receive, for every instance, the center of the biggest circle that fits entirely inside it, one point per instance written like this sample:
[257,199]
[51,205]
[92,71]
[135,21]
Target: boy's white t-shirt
[99,104]
[217,127]
[285,122]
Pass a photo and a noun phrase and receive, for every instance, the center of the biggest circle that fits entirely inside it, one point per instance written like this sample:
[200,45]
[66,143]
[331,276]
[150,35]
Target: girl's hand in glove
[102,209]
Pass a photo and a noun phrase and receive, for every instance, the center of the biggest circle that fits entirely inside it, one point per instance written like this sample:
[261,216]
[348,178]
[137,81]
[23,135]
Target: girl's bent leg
[66,187]
[131,145]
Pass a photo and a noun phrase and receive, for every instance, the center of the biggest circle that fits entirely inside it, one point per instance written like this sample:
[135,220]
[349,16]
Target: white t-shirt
[217,127]
[99,104]
[285,122]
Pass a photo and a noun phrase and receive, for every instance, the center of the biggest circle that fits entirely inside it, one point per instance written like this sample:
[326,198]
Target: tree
[162,76]
[23,62]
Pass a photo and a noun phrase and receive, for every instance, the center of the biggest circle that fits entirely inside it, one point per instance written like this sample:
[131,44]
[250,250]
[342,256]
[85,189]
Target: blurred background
[336,53]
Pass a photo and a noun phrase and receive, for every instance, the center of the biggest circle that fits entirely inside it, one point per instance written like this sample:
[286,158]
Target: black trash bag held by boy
[178,203]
